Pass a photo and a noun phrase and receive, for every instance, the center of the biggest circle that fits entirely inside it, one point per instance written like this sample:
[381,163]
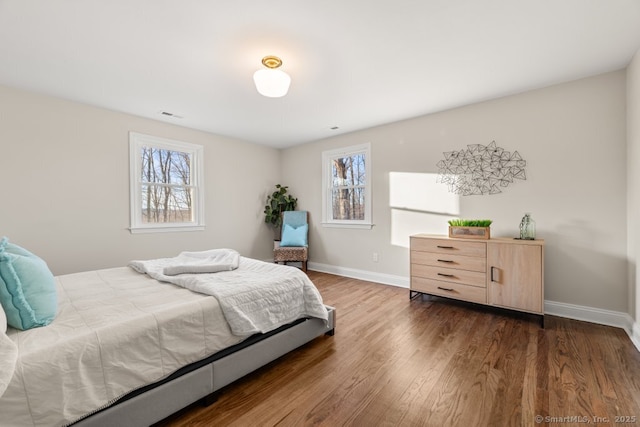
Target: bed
[127,349]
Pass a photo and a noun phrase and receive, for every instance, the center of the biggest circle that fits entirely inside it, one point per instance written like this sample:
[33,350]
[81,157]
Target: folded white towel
[211,261]
[196,269]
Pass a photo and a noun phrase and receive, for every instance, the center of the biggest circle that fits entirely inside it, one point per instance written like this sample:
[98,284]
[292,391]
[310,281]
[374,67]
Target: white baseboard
[600,316]
[571,311]
[370,276]
[590,314]
[635,336]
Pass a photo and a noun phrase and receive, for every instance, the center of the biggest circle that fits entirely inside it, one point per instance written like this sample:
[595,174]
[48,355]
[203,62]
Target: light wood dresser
[501,272]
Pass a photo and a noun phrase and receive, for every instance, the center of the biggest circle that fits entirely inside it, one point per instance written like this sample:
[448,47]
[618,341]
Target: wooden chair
[293,246]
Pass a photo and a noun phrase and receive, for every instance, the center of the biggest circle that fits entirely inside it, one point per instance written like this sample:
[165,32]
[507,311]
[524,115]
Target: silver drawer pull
[445,275]
[445,260]
[445,247]
[445,289]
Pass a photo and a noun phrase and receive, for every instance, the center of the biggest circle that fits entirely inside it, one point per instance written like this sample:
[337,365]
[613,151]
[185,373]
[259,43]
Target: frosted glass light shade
[272,83]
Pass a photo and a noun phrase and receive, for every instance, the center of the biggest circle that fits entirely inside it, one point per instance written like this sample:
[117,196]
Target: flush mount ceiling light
[270,81]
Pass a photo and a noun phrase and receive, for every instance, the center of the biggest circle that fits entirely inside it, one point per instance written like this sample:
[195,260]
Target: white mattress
[117,330]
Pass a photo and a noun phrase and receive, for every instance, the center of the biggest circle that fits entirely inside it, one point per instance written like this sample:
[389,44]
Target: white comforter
[116,330]
[255,298]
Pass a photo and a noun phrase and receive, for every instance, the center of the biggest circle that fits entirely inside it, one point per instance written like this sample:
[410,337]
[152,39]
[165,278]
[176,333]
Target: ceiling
[353,63]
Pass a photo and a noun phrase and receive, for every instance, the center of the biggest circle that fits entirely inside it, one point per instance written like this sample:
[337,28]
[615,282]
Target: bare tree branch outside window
[348,187]
[167,190]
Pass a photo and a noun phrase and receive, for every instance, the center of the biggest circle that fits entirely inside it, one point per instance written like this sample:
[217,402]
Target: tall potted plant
[278,202]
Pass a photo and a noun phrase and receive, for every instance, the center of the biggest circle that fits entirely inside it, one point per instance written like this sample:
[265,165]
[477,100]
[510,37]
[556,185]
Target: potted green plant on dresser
[470,228]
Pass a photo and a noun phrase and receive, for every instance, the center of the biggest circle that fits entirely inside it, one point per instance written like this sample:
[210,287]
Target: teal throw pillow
[27,288]
[294,236]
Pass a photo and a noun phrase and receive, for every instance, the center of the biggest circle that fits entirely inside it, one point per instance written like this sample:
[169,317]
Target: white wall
[633,190]
[65,189]
[64,192]
[573,137]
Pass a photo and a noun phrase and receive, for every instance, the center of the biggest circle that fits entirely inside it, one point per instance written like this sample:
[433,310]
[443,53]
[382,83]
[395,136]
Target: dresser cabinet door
[515,276]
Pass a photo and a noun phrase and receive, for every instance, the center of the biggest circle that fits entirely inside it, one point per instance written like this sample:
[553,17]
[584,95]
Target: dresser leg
[413,294]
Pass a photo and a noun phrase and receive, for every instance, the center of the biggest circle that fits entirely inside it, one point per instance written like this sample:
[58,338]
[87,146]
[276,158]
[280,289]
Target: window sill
[361,226]
[139,230]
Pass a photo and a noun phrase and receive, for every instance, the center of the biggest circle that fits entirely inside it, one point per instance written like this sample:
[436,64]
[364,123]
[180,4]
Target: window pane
[348,203]
[348,171]
[165,166]
[162,203]
[166,184]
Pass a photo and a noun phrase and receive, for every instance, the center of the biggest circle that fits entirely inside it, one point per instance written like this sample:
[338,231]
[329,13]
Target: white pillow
[3,321]
[8,359]
[8,354]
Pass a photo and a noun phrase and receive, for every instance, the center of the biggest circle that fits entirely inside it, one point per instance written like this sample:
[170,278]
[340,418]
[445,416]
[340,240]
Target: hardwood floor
[435,362]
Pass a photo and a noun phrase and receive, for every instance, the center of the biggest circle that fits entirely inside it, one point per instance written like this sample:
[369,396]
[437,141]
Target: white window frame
[136,142]
[327,187]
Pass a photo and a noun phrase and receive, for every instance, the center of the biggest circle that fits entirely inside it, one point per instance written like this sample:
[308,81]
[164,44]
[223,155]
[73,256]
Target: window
[346,195]
[166,185]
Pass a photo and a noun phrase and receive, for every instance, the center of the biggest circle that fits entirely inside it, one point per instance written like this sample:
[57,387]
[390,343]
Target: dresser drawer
[448,260]
[449,246]
[471,278]
[448,289]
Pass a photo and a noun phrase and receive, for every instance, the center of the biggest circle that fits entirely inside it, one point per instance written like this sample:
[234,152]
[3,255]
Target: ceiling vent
[168,114]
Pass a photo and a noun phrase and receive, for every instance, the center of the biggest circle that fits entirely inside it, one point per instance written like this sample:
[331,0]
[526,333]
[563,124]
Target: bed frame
[204,379]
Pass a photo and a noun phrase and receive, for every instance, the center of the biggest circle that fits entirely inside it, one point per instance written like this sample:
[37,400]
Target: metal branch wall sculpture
[480,169]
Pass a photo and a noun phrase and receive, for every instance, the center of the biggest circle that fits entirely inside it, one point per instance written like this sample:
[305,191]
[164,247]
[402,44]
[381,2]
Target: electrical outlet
[375,257]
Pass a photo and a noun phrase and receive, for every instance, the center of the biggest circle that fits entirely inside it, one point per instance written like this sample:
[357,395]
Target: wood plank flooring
[435,362]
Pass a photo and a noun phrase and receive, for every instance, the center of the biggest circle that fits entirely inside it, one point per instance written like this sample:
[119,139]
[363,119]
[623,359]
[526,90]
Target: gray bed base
[204,382]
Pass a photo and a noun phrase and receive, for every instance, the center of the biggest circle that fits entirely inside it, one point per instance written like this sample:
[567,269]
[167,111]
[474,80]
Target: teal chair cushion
[294,218]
